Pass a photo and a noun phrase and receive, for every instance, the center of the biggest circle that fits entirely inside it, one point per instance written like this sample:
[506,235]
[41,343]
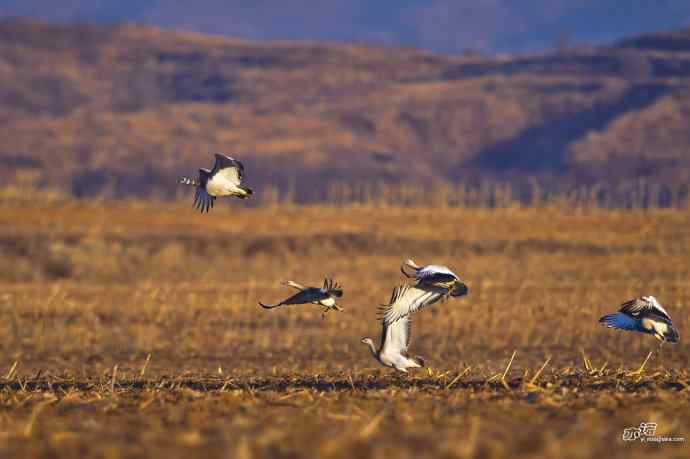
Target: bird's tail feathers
[418,360]
[671,335]
[188,181]
[247,192]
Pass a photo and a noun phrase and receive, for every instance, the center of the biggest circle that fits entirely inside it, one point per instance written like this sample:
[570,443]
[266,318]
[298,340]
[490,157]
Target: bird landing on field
[395,339]
[223,180]
[644,315]
[325,296]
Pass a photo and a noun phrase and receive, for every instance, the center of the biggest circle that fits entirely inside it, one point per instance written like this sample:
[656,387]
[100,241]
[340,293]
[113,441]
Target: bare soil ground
[133,330]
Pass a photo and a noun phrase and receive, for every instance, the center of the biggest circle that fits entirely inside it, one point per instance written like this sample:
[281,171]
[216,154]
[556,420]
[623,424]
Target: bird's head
[368,341]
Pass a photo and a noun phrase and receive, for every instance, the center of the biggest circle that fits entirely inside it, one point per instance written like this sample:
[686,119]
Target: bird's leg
[325,311]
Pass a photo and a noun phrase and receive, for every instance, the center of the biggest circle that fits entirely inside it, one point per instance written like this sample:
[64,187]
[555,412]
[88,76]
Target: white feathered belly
[659,327]
[218,186]
[327,302]
[388,360]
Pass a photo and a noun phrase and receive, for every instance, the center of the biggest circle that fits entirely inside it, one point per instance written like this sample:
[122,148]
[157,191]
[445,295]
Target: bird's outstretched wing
[228,168]
[619,320]
[202,200]
[408,299]
[434,275]
[396,337]
[642,305]
[308,295]
[435,270]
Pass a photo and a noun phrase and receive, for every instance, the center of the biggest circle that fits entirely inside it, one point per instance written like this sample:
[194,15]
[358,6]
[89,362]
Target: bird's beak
[460,289]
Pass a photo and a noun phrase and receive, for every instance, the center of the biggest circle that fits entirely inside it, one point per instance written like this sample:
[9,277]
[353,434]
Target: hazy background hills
[448,26]
[126,109]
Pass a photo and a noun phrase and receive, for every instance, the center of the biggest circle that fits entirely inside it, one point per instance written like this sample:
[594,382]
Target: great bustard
[645,315]
[223,180]
[395,337]
[434,283]
[435,275]
[324,296]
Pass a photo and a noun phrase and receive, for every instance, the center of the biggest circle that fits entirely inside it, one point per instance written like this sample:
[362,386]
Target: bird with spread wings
[395,338]
[646,315]
[433,284]
[225,179]
[325,296]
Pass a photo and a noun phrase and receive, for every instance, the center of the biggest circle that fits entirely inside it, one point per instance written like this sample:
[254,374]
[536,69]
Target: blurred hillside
[445,26]
[125,109]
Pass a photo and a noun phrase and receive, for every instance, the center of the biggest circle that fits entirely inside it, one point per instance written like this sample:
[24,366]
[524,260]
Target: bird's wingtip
[606,319]
[267,306]
[620,321]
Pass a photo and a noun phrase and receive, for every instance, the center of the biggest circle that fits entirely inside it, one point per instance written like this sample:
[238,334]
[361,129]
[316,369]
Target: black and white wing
[202,200]
[408,299]
[436,271]
[395,337]
[435,276]
[332,288]
[642,306]
[427,272]
[439,276]
[228,169]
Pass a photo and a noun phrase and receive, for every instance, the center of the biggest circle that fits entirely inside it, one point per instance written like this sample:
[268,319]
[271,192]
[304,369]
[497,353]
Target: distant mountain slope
[449,26]
[127,109]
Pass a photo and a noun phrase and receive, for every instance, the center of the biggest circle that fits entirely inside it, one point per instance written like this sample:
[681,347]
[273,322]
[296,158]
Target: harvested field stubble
[133,330]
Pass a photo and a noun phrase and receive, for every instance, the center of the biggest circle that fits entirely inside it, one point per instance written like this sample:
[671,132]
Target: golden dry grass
[90,290]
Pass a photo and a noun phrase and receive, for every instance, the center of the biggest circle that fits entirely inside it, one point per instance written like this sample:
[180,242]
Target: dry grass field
[131,329]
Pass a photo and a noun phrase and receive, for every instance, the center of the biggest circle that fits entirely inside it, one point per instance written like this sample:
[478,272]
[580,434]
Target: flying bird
[645,315]
[434,283]
[395,339]
[324,296]
[435,276]
[223,180]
